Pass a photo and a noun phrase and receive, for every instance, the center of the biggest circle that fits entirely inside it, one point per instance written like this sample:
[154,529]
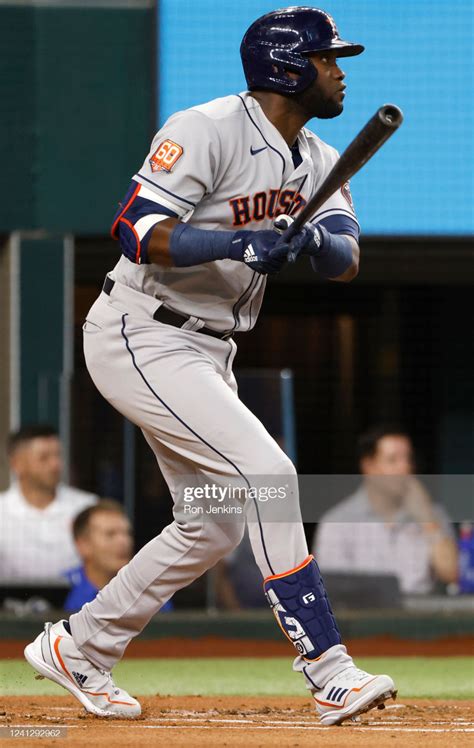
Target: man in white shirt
[37,511]
[390,524]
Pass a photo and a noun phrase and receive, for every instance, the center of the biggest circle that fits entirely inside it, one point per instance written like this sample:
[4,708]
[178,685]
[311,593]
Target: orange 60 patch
[165,156]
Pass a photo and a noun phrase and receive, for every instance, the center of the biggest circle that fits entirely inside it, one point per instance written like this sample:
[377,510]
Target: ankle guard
[300,605]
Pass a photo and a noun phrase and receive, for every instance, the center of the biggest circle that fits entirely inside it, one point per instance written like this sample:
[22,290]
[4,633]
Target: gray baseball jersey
[223,165]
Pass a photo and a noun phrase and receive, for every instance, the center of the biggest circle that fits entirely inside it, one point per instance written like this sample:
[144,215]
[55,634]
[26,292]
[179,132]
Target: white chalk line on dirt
[291,727]
[292,723]
[124,724]
[395,724]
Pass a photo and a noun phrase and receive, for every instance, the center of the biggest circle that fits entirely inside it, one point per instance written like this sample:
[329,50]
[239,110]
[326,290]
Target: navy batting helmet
[280,41]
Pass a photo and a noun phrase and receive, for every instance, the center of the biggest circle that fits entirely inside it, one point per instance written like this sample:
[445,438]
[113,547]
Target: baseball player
[197,235]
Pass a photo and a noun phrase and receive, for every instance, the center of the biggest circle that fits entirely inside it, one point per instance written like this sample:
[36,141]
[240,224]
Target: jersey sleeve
[337,214]
[182,163]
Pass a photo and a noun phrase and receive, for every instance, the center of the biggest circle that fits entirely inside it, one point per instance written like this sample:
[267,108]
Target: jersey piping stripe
[251,298]
[147,194]
[257,288]
[157,186]
[296,193]
[201,439]
[240,302]
[261,133]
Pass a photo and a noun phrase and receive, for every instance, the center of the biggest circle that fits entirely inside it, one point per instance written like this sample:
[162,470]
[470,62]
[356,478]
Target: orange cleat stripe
[111,701]
[61,662]
[341,706]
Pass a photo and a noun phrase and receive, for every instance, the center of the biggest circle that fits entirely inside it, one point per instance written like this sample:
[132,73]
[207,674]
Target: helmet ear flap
[291,62]
[272,73]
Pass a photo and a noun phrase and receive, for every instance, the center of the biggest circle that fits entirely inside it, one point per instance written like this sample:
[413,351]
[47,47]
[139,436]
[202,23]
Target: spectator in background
[104,541]
[390,524]
[103,537]
[37,511]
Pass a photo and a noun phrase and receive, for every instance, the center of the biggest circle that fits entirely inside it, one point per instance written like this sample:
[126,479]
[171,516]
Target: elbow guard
[134,223]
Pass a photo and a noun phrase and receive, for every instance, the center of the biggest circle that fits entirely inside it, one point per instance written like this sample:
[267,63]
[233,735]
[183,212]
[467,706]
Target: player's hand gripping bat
[376,132]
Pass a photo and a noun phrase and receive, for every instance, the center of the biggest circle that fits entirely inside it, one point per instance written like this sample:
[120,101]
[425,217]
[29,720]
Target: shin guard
[300,605]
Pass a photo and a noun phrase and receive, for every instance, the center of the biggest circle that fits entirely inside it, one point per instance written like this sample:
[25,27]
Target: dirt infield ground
[237,721]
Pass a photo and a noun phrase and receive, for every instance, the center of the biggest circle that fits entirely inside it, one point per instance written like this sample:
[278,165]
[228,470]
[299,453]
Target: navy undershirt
[296,155]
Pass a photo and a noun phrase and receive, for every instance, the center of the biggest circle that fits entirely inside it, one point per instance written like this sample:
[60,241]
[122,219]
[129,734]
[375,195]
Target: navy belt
[167,317]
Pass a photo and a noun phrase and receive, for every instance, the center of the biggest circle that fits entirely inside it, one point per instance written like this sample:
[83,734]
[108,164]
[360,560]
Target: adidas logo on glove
[249,254]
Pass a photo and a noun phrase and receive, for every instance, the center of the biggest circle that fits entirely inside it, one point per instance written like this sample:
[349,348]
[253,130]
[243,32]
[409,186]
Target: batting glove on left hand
[254,249]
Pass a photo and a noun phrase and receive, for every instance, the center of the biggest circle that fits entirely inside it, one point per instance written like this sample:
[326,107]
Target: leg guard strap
[301,607]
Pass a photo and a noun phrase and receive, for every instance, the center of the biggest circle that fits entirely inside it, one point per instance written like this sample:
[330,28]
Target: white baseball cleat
[54,655]
[350,693]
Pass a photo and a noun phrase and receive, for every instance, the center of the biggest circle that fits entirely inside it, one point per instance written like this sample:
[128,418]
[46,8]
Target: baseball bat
[376,132]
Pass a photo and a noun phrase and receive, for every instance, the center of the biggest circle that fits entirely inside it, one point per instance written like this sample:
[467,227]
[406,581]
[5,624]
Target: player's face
[107,544]
[324,98]
[39,463]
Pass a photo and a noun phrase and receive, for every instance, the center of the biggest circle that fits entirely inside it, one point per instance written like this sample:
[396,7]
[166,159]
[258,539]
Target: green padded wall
[76,87]
[41,349]
[17,118]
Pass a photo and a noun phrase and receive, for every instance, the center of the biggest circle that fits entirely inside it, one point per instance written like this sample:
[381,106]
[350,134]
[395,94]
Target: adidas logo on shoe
[336,694]
[79,678]
[249,254]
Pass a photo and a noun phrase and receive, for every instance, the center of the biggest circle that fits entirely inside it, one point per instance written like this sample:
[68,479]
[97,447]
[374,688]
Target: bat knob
[282,223]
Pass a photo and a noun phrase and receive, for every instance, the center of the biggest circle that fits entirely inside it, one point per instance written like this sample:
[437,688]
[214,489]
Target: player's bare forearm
[159,244]
[351,271]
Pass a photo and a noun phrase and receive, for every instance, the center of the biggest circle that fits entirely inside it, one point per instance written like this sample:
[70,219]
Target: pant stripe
[170,410]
